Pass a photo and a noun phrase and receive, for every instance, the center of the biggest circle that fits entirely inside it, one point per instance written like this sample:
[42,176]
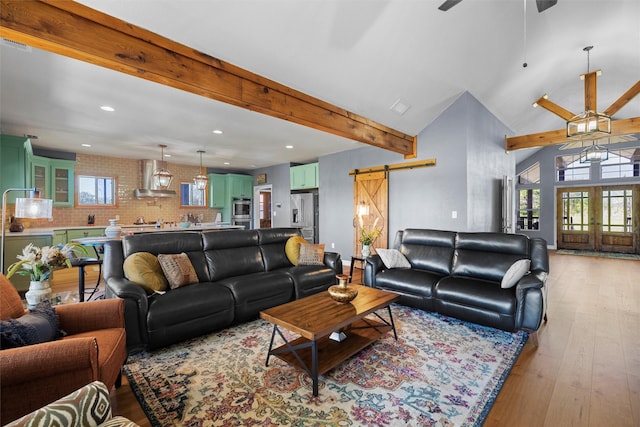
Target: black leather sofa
[241,273]
[460,274]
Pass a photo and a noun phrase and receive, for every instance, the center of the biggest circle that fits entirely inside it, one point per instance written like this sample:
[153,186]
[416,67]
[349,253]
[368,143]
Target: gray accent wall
[467,142]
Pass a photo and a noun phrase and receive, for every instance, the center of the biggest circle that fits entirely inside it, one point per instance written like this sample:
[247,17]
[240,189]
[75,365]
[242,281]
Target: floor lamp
[28,207]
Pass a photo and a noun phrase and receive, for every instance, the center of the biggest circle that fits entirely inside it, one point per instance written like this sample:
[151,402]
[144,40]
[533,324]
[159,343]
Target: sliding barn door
[371,190]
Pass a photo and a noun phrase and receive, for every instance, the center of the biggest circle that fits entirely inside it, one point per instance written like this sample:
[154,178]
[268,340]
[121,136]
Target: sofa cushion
[393,258]
[143,268]
[488,256]
[178,269]
[39,325]
[273,246]
[516,272]
[310,279]
[233,253]
[429,249]
[311,254]
[472,292]
[292,248]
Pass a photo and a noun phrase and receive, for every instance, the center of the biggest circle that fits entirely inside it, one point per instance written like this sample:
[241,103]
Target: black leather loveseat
[460,275]
[241,272]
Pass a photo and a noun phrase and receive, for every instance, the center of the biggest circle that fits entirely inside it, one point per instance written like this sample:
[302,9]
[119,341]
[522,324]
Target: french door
[603,218]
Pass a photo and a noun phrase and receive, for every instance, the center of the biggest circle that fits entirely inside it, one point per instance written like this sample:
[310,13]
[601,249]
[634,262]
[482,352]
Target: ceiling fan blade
[449,4]
[545,4]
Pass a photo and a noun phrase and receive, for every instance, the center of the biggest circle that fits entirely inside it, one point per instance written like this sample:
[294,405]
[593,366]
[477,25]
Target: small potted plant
[38,264]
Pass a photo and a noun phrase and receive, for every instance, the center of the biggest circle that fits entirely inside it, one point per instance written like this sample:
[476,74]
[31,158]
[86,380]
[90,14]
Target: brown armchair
[35,375]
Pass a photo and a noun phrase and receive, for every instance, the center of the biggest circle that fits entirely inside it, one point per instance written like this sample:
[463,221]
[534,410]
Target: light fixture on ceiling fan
[594,153]
[201,179]
[161,176]
[541,4]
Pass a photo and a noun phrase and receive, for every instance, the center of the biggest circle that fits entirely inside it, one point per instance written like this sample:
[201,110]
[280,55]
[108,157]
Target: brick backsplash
[127,174]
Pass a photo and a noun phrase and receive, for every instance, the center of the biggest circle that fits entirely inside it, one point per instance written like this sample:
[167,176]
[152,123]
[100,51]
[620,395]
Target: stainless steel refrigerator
[304,215]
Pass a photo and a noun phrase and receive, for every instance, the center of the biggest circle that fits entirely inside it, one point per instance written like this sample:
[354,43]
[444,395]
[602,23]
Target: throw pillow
[178,269]
[393,258]
[39,325]
[517,270]
[143,268]
[311,254]
[292,248]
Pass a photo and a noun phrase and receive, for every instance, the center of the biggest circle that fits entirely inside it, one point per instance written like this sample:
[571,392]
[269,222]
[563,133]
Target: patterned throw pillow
[393,258]
[143,268]
[178,269]
[311,254]
[292,248]
[39,325]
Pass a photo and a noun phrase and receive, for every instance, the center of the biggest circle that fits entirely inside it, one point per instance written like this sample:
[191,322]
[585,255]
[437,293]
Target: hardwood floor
[586,369]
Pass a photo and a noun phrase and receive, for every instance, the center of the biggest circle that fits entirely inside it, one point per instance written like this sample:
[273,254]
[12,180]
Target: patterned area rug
[440,372]
[598,254]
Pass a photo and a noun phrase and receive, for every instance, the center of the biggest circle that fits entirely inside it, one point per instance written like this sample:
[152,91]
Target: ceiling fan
[542,4]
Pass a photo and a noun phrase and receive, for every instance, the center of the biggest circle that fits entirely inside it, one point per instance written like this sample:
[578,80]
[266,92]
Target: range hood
[148,189]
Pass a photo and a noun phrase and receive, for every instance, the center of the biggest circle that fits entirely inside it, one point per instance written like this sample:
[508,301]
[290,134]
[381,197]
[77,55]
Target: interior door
[371,201]
[599,218]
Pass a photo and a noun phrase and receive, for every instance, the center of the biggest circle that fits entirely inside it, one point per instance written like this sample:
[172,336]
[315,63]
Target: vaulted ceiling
[361,56]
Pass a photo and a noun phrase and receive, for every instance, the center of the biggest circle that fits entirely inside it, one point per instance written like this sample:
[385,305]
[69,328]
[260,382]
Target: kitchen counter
[145,228]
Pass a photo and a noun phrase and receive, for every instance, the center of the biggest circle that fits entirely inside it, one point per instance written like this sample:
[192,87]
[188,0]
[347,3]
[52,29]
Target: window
[575,211]
[96,191]
[569,168]
[617,211]
[531,175]
[529,209]
[622,164]
[191,196]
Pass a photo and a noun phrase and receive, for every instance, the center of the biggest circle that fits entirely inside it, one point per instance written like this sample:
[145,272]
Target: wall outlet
[117,217]
[333,245]
[454,214]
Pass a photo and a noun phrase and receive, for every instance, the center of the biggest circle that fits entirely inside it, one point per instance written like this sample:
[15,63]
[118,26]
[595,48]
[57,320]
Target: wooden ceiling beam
[591,91]
[77,31]
[623,100]
[554,108]
[618,128]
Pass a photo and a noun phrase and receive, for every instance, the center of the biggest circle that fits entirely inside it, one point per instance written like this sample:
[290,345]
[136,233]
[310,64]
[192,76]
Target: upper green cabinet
[217,190]
[53,178]
[240,186]
[304,176]
[12,165]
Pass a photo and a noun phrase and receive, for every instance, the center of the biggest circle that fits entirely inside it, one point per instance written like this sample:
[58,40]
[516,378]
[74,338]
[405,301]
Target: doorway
[262,206]
[602,218]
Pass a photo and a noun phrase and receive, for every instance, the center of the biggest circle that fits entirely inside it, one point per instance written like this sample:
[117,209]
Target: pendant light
[161,176]
[201,180]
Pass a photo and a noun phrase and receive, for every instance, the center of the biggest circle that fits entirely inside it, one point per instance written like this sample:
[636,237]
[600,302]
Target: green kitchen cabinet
[12,165]
[240,186]
[217,190]
[14,244]
[59,237]
[304,176]
[54,178]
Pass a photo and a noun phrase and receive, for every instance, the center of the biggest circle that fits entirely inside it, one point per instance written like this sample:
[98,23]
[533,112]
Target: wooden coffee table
[316,317]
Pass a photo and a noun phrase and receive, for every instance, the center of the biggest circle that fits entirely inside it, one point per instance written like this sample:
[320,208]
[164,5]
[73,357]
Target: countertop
[146,228]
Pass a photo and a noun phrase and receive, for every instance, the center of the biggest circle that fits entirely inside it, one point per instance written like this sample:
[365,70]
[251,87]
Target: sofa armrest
[531,294]
[373,265]
[333,260]
[34,375]
[91,316]
[136,307]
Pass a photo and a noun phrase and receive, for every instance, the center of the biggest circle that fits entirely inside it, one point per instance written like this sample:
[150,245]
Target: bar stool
[355,258]
[81,263]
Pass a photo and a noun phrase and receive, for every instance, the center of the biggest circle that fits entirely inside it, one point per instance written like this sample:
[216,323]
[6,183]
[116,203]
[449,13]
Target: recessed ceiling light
[217,132]
[167,155]
[107,108]
[289,147]
[86,145]
[226,163]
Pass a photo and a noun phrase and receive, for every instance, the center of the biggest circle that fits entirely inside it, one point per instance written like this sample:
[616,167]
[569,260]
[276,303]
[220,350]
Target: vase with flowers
[38,264]
[368,237]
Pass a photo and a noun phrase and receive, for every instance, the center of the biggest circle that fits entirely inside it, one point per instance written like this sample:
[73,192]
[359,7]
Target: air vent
[20,46]
[400,107]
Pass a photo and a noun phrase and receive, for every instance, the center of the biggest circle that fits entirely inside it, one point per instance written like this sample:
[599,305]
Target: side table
[355,258]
